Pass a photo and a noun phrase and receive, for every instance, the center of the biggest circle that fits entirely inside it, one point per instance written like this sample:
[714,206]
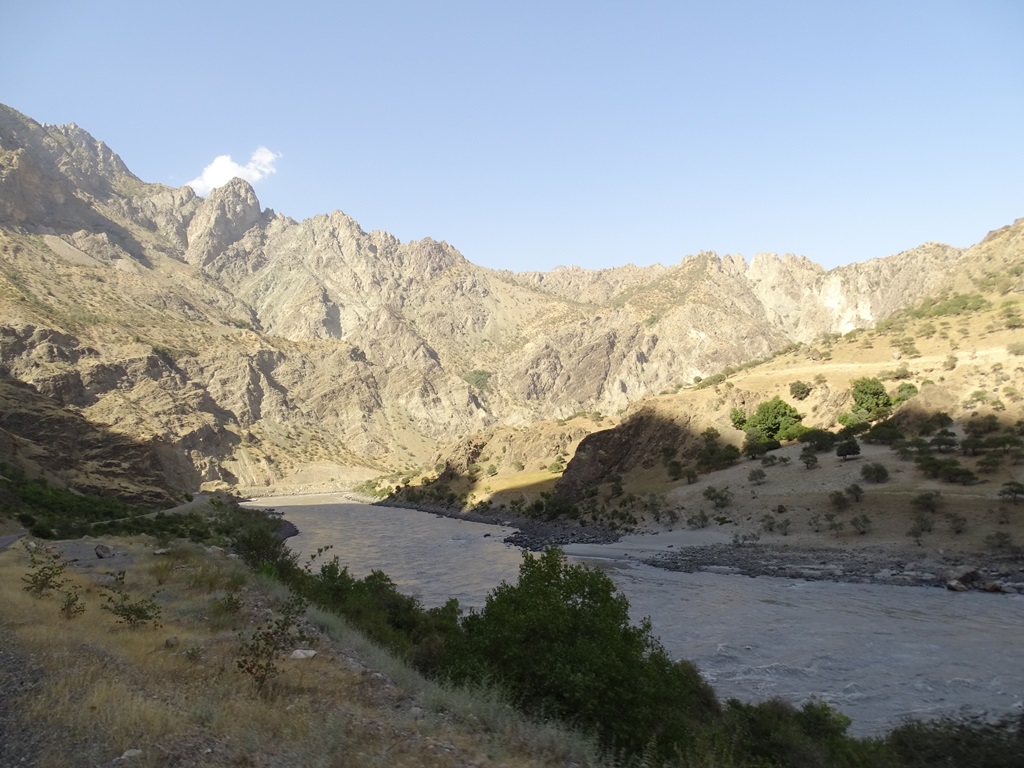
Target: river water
[877,653]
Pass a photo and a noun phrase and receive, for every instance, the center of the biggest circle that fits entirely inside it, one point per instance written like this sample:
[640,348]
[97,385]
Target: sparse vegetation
[874,472]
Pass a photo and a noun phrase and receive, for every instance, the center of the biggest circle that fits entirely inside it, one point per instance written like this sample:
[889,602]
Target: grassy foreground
[170,687]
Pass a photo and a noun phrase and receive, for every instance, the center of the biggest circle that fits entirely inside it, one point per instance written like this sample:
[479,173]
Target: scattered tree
[874,473]
[773,418]
[720,497]
[839,500]
[1012,491]
[756,476]
[870,399]
[929,501]
[861,524]
[848,448]
[799,390]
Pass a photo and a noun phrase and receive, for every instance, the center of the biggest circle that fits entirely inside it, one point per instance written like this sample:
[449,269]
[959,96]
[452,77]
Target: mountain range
[153,342]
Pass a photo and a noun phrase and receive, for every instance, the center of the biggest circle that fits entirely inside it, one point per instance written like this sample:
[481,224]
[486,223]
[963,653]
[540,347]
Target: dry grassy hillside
[87,689]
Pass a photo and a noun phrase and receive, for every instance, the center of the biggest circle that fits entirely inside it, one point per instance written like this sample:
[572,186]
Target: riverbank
[713,550]
[531,534]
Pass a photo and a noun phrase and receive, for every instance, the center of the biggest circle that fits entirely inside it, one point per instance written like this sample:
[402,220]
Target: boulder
[103,551]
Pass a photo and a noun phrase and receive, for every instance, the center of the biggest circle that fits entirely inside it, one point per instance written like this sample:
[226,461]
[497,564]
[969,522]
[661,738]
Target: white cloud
[223,169]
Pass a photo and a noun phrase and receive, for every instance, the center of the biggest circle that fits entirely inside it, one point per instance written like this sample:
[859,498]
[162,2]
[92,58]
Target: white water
[878,653]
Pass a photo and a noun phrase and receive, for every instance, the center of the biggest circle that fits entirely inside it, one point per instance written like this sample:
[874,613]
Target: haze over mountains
[152,341]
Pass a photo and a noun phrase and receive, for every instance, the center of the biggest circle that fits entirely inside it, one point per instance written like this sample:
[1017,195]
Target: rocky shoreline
[956,572]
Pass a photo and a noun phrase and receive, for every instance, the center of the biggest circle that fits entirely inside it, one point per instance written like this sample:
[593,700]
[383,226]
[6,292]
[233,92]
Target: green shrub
[874,473]
[561,644]
[132,612]
[969,741]
[799,390]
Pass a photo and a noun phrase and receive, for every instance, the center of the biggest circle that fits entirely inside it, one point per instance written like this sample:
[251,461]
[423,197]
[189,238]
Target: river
[878,653]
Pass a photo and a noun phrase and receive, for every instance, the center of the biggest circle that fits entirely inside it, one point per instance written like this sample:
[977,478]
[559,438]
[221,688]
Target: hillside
[243,349]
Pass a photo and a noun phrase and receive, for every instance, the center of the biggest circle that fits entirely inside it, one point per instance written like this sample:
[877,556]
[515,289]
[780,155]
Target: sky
[535,134]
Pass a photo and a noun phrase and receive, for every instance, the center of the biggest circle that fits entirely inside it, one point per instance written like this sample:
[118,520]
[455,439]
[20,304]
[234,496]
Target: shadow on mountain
[647,442]
[43,439]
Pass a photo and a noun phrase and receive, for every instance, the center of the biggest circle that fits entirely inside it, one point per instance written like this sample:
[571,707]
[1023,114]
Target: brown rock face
[244,345]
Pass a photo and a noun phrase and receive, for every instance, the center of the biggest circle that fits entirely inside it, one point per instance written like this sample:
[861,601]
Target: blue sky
[533,134]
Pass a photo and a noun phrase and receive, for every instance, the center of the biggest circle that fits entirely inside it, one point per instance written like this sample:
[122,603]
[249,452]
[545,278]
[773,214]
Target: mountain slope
[254,347]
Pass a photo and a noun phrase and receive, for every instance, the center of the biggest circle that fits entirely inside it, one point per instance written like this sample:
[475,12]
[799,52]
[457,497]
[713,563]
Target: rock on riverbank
[847,565]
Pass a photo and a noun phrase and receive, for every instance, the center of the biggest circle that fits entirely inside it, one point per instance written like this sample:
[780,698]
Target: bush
[720,497]
[133,613]
[874,473]
[861,524]
[258,656]
[799,390]
[971,741]
[561,644]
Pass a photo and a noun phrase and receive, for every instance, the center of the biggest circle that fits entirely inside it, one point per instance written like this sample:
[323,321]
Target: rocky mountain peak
[227,214]
[93,164]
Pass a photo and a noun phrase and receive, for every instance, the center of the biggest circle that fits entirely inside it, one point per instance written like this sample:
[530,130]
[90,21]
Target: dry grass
[107,689]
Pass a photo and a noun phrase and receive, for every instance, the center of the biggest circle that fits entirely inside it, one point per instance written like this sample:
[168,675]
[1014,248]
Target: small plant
[133,613]
[855,492]
[814,521]
[743,540]
[768,523]
[71,604]
[46,574]
[922,524]
[756,476]
[957,523]
[1001,542]
[698,520]
[783,526]
[861,524]
[929,501]
[839,500]
[257,656]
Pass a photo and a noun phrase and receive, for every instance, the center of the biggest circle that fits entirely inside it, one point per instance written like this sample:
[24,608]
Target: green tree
[773,417]
[561,644]
[1012,490]
[738,418]
[870,399]
[903,392]
[848,448]
[818,439]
